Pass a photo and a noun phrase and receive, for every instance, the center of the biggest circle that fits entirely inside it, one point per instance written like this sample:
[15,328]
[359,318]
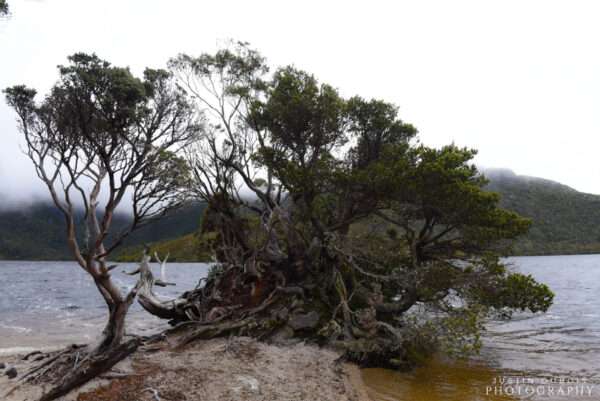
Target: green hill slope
[187,248]
[34,233]
[565,221]
[38,231]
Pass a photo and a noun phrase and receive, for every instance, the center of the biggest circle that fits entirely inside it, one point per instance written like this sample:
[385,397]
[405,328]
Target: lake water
[54,303]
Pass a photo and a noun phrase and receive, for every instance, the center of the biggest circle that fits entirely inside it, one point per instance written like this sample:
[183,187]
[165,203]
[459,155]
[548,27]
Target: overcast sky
[518,80]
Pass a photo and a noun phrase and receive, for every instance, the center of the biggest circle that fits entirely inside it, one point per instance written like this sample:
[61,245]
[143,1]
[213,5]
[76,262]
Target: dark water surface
[551,356]
[54,303]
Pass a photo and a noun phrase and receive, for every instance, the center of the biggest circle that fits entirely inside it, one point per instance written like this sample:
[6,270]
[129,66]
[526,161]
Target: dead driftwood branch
[94,366]
[148,299]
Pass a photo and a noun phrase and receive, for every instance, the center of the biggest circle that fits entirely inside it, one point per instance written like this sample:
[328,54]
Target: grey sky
[518,80]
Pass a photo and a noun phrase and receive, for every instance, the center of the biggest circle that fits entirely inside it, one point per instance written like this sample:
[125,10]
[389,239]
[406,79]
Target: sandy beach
[237,368]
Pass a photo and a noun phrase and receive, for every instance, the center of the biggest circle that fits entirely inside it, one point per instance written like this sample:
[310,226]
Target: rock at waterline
[11,373]
[2,365]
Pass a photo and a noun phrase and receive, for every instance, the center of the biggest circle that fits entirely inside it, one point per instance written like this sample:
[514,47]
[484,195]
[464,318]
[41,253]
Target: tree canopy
[332,208]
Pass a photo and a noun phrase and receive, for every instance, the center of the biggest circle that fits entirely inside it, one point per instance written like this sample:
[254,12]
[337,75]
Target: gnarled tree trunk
[164,309]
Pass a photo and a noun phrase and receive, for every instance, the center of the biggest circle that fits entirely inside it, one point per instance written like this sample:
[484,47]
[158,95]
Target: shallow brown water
[467,381]
[437,381]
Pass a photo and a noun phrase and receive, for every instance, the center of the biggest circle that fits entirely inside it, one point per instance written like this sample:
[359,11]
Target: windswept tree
[104,141]
[3,7]
[330,222]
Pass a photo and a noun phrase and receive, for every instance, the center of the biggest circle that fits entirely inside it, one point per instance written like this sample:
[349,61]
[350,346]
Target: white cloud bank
[520,81]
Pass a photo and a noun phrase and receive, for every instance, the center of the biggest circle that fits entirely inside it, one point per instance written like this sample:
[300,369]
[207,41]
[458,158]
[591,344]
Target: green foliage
[457,334]
[4,10]
[344,162]
[103,133]
[170,170]
[102,110]
[453,212]
[302,116]
[96,97]
[376,126]
[514,291]
[519,291]
[240,66]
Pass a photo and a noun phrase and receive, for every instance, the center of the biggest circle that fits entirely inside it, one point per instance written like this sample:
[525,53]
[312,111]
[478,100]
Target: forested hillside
[565,221]
[37,232]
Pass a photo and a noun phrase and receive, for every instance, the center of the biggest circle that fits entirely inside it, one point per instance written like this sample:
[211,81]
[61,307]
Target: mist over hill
[565,221]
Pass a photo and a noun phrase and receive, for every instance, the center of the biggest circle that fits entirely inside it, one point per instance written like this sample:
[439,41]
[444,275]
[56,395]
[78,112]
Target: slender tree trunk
[114,331]
[118,306]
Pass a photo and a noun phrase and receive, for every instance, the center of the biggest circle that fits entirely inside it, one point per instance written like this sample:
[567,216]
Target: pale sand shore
[232,369]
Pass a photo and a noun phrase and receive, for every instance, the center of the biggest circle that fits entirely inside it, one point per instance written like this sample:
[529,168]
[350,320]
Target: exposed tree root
[90,367]
[205,332]
[74,366]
